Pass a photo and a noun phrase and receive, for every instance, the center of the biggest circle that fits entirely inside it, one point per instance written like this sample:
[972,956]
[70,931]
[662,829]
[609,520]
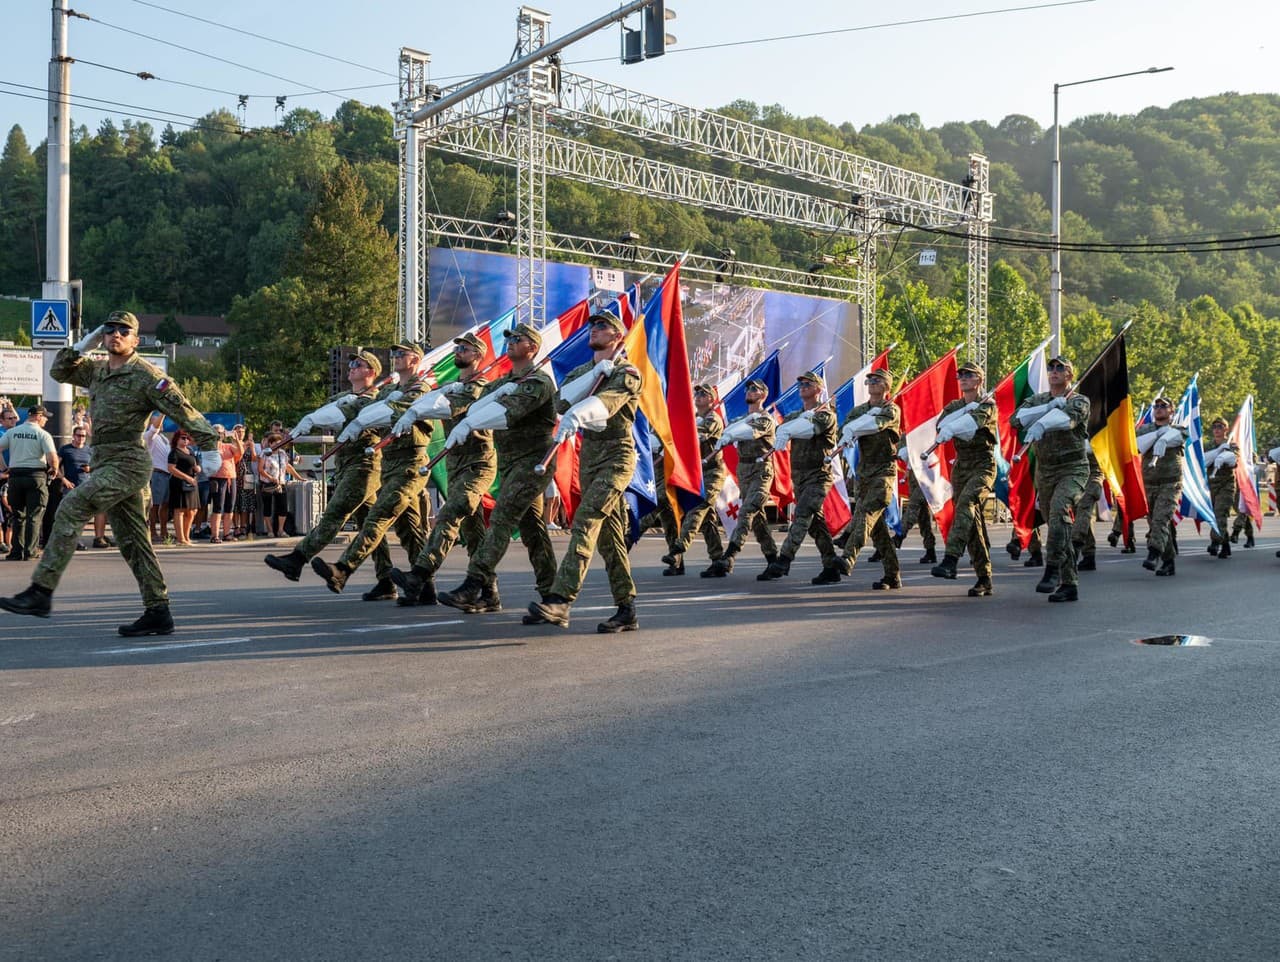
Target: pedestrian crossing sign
[50,323]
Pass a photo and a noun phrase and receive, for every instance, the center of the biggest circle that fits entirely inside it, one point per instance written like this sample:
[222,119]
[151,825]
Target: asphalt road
[763,771]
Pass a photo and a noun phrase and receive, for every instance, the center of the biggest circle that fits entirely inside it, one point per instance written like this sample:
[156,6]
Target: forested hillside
[211,220]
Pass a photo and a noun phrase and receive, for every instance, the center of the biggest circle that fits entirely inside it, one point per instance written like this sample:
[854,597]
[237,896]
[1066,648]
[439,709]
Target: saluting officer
[876,427]
[1220,462]
[1162,445]
[754,435]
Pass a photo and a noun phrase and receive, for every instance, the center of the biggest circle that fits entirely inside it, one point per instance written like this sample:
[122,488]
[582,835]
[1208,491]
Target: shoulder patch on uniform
[163,384]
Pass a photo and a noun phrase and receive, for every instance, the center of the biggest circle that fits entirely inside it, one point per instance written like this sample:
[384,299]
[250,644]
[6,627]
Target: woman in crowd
[274,470]
[184,491]
[246,484]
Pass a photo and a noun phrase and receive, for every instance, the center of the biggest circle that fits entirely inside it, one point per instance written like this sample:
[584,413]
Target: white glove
[345,399]
[1226,459]
[90,340]
[493,417]
[1274,455]
[461,431]
[574,391]
[302,427]
[1055,420]
[502,390]
[375,415]
[1169,438]
[875,412]
[801,427]
[330,416]
[455,387]
[902,453]
[433,404]
[964,428]
[603,368]
[587,415]
[857,428]
[1147,441]
[1059,402]
[210,462]
[735,432]
[957,414]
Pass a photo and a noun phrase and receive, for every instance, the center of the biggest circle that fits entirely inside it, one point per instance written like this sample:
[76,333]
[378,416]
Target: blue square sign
[50,323]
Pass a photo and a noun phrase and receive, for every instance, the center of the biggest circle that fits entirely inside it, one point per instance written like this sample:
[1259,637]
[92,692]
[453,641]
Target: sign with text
[20,371]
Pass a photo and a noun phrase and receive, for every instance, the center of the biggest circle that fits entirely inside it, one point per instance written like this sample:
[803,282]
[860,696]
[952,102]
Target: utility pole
[57,285]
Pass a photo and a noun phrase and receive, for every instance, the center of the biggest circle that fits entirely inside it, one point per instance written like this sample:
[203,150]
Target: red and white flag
[921,402]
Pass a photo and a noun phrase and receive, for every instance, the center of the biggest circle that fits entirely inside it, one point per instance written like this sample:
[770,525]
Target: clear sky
[976,68]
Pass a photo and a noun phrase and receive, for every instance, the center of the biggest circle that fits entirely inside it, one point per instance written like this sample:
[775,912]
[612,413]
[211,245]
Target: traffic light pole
[57,286]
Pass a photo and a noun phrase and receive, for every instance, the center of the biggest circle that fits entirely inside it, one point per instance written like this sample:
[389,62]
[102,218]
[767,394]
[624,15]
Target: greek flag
[1196,502]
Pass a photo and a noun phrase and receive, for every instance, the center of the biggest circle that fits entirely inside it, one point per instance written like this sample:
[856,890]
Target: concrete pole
[57,397]
[1055,255]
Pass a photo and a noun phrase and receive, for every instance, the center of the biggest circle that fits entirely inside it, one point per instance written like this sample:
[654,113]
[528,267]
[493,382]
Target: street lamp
[1055,255]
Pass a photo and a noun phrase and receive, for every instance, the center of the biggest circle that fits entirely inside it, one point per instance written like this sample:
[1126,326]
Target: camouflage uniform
[1062,471]
[606,463]
[471,467]
[1223,490]
[973,478]
[355,488]
[916,510]
[397,503]
[812,478]
[755,480]
[1082,531]
[531,420]
[1162,478]
[120,404]
[702,517]
[877,475]
[662,516]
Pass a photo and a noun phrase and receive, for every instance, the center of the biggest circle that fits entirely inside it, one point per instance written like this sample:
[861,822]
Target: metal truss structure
[540,122]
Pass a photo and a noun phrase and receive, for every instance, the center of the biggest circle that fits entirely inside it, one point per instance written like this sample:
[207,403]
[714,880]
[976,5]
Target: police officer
[599,398]
[33,460]
[471,465]
[1220,462]
[1057,423]
[811,433]
[702,517]
[1162,445]
[1082,540]
[971,425]
[754,435]
[355,483]
[397,503]
[876,427]
[123,391]
[520,411]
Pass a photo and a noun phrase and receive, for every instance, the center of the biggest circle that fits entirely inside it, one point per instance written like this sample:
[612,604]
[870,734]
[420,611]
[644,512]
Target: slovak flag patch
[162,384]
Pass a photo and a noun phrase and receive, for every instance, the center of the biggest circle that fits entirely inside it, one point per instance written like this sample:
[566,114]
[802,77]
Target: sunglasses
[965,375]
[601,324]
[117,329]
[79,434]
[356,364]
[1058,366]
[403,354]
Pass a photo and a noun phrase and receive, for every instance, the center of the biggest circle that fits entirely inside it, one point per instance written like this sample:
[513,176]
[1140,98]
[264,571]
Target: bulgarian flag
[1111,431]
[1027,379]
[921,402]
[1243,436]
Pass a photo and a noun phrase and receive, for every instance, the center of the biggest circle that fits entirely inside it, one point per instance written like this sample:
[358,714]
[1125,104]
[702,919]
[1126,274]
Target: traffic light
[652,38]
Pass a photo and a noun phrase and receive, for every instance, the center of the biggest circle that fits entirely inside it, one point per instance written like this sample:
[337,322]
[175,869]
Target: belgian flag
[1111,431]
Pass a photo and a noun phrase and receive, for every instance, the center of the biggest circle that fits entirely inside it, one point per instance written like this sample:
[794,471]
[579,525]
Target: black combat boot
[946,568]
[983,589]
[721,566]
[876,556]
[1166,570]
[1014,548]
[1049,580]
[1113,538]
[1249,542]
[887,584]
[1153,556]
[155,620]
[490,600]
[1225,551]
[845,563]
[34,600]
[1088,563]
[551,610]
[1065,593]
[675,556]
[1035,560]
[898,539]
[777,569]
[624,620]
[830,575]
[290,565]
[414,583]
[1235,536]
[770,557]
[384,590]
[675,567]
[335,575]
[842,538]
[466,597]
[1212,549]
[930,557]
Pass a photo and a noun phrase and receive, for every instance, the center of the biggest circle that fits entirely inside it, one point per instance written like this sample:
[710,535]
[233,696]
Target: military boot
[675,567]
[983,589]
[466,597]
[1088,563]
[887,584]
[876,556]
[1249,542]
[1212,549]
[721,566]
[1235,535]
[1014,547]
[624,620]
[551,610]
[1035,560]
[673,557]
[155,620]
[335,575]
[898,539]
[384,590]
[34,600]
[290,565]
[1065,593]
[930,557]
[1225,551]
[845,564]
[842,538]
[1113,538]
[830,575]
[777,569]
[1049,581]
[1153,556]
[412,583]
[770,557]
[490,600]
[946,568]
[1166,570]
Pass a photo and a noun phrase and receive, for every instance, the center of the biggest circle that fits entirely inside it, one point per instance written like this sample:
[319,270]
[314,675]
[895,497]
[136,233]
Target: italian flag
[1028,378]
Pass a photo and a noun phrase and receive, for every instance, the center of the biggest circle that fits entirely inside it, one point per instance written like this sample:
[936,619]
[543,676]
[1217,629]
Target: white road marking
[646,602]
[366,629]
[16,719]
[172,647]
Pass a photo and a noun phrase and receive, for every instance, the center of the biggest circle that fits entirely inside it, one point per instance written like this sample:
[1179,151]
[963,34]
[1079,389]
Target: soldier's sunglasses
[116,329]
[1057,366]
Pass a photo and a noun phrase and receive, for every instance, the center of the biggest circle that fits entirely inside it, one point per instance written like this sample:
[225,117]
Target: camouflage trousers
[916,511]
[703,519]
[970,490]
[398,505]
[754,481]
[601,519]
[808,519]
[1162,501]
[459,515]
[1082,530]
[115,488]
[1059,494]
[1222,488]
[874,496]
[664,518]
[354,493]
[1242,523]
[518,508]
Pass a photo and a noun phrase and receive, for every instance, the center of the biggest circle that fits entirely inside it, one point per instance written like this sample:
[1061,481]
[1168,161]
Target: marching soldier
[754,435]
[123,391]
[1082,541]
[1244,522]
[971,424]
[520,410]
[599,398]
[1220,462]
[1057,423]
[702,517]
[662,516]
[400,484]
[876,427]
[1162,446]
[916,511]
[811,432]
[471,465]
[355,484]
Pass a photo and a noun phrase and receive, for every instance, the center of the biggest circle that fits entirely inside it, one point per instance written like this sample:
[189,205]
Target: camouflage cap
[755,384]
[409,347]
[1216,421]
[471,341]
[813,377]
[969,367]
[1063,360]
[524,330]
[370,359]
[123,317]
[706,389]
[612,320]
[882,374]
[1161,400]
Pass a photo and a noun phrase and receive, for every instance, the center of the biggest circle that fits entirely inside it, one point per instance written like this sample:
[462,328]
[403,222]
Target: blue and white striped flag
[1196,502]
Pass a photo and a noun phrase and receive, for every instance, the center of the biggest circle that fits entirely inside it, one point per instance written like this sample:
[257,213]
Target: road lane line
[366,629]
[173,647]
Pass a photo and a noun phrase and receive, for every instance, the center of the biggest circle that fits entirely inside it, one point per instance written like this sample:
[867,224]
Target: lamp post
[1055,255]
